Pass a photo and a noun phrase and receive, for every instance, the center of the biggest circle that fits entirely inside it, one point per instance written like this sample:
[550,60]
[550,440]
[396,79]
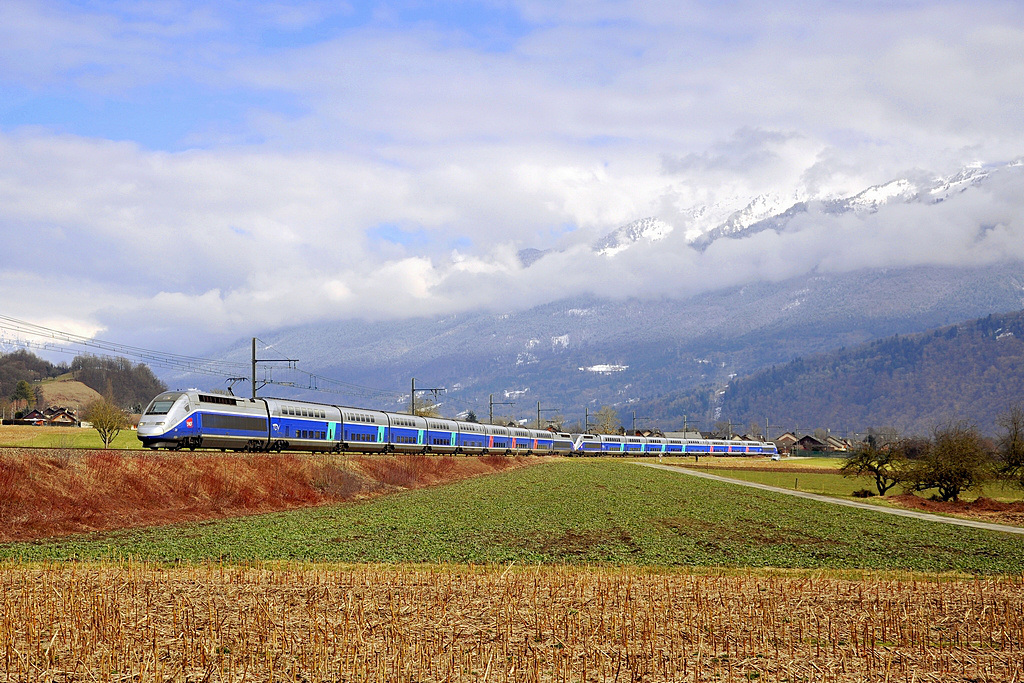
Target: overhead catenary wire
[48,338]
[28,335]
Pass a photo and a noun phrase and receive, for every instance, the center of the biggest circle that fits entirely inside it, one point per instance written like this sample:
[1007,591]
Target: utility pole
[768,427]
[546,410]
[412,395]
[291,364]
[645,418]
[490,407]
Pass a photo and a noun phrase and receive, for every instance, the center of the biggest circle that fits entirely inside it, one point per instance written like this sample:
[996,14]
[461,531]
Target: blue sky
[225,168]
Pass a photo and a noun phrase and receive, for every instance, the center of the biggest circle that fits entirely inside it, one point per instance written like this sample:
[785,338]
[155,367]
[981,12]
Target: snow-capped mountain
[649,229]
[869,200]
[873,198]
[585,350]
[760,208]
[943,188]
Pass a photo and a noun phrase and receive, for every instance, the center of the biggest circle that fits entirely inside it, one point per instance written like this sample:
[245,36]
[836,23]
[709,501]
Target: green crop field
[576,512]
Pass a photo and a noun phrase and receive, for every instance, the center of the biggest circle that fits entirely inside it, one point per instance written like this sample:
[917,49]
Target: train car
[523,440]
[406,433]
[675,446]
[473,438]
[442,435]
[562,443]
[547,441]
[586,444]
[613,445]
[302,426]
[499,439]
[365,431]
[634,445]
[655,445]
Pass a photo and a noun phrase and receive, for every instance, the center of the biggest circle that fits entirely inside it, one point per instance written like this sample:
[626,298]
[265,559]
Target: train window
[222,400]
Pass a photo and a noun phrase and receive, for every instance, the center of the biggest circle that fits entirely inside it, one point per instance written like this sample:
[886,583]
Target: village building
[53,416]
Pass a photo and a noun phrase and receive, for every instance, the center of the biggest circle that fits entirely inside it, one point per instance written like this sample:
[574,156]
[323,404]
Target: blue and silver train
[195,419]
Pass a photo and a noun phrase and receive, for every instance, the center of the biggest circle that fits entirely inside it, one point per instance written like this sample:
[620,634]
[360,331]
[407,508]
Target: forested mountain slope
[970,371]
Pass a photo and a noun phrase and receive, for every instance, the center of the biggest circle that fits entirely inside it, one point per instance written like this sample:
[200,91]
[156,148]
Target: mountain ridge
[970,371]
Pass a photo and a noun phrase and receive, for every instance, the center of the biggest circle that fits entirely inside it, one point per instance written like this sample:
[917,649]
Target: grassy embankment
[570,511]
[47,493]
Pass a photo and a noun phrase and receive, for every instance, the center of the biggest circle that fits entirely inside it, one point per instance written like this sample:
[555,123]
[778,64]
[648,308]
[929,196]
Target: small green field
[826,484]
[24,436]
[570,511]
[838,485]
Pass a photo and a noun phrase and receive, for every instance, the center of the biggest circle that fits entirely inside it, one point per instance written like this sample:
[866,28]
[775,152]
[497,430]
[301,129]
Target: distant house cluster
[53,416]
[789,442]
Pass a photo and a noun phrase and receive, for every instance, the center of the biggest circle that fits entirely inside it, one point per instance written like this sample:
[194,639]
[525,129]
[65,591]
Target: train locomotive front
[191,419]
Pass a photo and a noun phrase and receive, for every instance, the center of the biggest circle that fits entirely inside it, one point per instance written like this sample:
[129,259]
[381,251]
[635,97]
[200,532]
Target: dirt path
[842,501]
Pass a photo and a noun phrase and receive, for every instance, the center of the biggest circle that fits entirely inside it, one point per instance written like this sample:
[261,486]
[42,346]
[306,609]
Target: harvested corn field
[143,622]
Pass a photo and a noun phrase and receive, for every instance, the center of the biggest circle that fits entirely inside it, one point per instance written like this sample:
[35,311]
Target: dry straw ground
[138,622]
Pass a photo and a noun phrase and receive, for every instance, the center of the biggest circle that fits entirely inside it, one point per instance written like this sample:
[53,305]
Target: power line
[55,340]
[54,347]
[24,334]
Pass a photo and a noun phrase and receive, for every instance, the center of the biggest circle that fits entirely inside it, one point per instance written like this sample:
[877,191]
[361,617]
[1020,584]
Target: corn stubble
[140,622]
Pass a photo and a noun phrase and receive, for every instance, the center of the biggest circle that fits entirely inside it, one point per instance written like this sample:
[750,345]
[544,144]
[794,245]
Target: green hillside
[970,371]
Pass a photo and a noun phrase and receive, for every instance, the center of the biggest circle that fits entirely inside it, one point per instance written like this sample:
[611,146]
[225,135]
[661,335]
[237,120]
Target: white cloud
[393,167]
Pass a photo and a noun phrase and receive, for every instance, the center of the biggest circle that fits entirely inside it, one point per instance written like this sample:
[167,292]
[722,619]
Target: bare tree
[107,419]
[606,420]
[1010,446]
[425,407]
[884,461]
[958,460]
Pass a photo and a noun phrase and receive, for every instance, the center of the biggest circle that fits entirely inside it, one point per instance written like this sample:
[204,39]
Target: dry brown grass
[138,622]
[53,492]
[68,393]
